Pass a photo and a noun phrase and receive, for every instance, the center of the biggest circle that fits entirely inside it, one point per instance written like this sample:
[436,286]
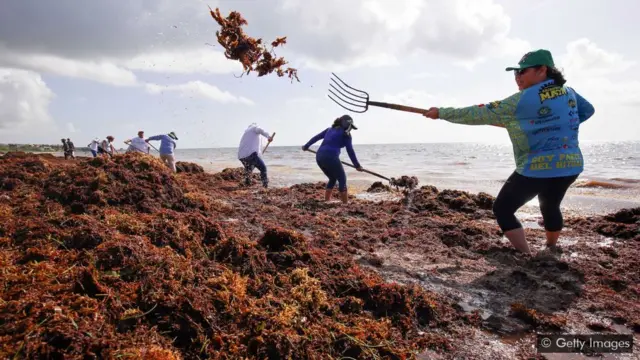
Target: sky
[87,69]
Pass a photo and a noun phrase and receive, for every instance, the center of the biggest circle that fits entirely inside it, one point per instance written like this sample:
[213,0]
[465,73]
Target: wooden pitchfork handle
[364,170]
[153,147]
[269,142]
[398,107]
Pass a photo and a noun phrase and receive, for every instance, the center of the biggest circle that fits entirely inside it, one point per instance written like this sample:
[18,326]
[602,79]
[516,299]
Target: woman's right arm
[351,152]
[314,140]
[496,113]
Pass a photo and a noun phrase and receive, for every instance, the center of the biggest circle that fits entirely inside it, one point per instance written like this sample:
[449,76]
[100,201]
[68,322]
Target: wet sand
[195,265]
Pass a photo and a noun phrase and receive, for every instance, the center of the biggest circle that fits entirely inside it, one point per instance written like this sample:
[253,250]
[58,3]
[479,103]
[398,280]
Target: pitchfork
[360,99]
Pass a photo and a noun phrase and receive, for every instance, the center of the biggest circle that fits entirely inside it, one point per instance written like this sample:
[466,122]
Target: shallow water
[610,181]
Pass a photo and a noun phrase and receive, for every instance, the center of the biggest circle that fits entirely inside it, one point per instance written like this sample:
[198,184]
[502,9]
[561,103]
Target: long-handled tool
[153,147]
[269,142]
[364,170]
[359,100]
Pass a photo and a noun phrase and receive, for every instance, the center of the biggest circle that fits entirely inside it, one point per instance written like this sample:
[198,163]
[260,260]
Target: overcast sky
[85,69]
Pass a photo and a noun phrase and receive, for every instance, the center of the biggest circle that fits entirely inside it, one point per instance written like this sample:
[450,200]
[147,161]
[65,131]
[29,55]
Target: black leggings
[518,190]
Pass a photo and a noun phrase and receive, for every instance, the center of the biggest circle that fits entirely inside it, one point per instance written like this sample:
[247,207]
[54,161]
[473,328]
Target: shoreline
[179,265]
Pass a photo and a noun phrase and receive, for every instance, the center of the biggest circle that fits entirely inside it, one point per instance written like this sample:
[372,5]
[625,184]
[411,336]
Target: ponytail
[555,75]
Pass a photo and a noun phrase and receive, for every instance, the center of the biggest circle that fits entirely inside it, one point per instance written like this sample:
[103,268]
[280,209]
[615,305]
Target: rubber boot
[327,194]
[344,196]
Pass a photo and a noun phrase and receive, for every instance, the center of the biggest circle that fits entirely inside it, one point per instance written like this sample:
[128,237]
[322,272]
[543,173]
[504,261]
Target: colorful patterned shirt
[542,122]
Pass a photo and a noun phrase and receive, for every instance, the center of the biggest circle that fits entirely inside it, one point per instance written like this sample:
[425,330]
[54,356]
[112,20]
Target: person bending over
[328,155]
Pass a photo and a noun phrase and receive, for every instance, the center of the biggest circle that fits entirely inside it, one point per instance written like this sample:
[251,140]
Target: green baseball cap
[534,58]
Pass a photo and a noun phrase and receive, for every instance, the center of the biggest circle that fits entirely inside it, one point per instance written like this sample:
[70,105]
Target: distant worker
[138,144]
[106,147]
[93,146]
[328,155]
[167,147]
[72,148]
[65,148]
[249,153]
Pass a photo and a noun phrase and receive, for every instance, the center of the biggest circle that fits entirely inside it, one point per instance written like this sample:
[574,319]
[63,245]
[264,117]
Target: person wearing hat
[543,121]
[138,144]
[249,153]
[167,147]
[328,155]
[93,146]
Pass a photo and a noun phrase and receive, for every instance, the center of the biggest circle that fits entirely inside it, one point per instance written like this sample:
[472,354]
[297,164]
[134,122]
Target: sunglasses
[519,72]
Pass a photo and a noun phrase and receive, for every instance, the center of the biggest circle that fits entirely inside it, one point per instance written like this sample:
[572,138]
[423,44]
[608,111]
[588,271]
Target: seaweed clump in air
[251,52]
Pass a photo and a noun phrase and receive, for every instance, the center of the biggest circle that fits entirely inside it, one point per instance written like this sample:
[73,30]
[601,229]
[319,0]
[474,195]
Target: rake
[358,100]
[269,142]
[363,170]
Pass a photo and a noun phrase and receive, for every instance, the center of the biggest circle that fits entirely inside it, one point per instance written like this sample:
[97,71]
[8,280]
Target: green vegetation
[30,147]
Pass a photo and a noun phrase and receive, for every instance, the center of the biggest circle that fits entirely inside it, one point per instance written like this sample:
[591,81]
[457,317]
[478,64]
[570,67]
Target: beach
[108,258]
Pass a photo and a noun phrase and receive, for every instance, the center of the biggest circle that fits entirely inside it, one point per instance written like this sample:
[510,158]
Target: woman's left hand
[432,113]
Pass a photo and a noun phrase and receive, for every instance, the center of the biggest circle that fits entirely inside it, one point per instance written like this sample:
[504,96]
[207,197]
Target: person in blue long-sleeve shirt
[328,155]
[167,146]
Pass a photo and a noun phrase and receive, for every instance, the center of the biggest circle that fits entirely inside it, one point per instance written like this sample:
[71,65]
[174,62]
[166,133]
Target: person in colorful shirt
[328,155]
[167,147]
[543,121]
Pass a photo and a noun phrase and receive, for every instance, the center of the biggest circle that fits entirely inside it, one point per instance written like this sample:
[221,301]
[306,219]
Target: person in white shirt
[138,144]
[93,146]
[249,153]
[106,147]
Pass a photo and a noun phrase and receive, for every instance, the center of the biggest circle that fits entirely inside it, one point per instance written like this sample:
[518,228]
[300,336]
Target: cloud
[71,128]
[591,70]
[169,36]
[204,60]
[100,71]
[92,28]
[24,100]
[421,99]
[200,89]
[583,56]
[464,29]
[428,75]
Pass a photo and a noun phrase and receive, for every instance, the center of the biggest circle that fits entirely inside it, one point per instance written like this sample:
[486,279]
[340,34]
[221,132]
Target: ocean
[610,181]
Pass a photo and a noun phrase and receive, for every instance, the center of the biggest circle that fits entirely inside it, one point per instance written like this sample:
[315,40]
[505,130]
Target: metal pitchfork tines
[358,100]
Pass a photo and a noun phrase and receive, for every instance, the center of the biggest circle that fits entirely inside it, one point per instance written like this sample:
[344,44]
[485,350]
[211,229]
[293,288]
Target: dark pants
[332,168]
[94,153]
[103,151]
[254,161]
[518,190]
